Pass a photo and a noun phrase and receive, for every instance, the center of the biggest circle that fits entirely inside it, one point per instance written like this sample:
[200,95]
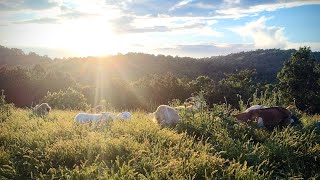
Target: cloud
[39,21]
[180,4]
[263,36]
[253,9]
[232,2]
[205,49]
[142,7]
[209,8]
[70,14]
[76,14]
[28,4]
[315,46]
[134,24]
[202,5]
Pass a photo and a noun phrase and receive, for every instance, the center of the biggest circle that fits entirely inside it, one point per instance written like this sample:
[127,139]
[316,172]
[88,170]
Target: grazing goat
[93,118]
[192,104]
[166,116]
[124,115]
[195,103]
[190,108]
[267,117]
[255,107]
[42,109]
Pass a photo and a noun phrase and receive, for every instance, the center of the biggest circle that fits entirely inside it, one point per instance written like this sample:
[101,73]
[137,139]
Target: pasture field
[207,145]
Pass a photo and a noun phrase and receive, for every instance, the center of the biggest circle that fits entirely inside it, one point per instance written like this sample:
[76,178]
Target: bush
[69,99]
[5,109]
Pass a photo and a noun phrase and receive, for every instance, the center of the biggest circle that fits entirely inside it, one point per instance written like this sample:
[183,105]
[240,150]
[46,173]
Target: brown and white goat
[267,117]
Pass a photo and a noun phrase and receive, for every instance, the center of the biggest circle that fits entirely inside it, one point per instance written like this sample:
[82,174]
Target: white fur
[124,115]
[291,121]
[255,107]
[42,109]
[260,122]
[86,117]
[195,103]
[166,116]
[150,115]
[190,108]
[108,116]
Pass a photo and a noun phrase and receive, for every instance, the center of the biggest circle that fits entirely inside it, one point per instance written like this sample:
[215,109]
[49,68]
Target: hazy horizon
[193,28]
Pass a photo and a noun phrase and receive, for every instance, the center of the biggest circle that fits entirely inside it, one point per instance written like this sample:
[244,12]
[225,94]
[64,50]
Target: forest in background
[137,80]
[209,144]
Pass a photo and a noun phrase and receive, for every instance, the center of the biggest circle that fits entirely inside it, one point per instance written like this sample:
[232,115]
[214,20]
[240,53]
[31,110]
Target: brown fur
[272,117]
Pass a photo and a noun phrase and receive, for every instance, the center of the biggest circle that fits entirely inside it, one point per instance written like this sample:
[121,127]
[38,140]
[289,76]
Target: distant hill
[14,57]
[136,65]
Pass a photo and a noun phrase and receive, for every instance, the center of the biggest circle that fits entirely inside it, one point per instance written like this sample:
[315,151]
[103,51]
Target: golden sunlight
[87,37]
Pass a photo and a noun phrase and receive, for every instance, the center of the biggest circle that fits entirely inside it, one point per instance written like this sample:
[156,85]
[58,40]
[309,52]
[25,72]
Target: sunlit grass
[206,145]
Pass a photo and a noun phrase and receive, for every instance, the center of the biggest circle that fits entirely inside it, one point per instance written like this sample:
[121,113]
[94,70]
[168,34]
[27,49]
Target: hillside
[137,80]
[16,57]
[136,65]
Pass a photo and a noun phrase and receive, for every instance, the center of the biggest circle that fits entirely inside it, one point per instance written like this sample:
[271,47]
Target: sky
[195,28]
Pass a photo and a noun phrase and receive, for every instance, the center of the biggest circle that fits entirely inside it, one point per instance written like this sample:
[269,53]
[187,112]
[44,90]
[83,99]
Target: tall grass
[204,145]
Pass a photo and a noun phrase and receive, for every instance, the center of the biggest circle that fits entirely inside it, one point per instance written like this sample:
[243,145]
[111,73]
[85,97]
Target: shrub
[5,109]
[69,99]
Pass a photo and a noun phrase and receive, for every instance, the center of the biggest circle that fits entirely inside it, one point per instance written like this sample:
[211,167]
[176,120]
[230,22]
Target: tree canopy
[299,80]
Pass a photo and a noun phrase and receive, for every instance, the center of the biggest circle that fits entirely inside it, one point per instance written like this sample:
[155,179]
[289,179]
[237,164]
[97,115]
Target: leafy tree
[241,83]
[69,99]
[161,89]
[299,81]
[201,83]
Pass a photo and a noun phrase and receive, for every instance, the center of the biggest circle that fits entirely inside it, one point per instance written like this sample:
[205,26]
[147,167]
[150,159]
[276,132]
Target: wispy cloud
[238,12]
[180,4]
[205,49]
[133,24]
[232,2]
[68,15]
[39,21]
[28,4]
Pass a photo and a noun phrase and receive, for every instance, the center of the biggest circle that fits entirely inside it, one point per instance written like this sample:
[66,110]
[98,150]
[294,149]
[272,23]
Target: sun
[87,37]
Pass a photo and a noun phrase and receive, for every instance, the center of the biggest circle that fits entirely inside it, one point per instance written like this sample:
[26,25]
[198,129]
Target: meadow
[210,144]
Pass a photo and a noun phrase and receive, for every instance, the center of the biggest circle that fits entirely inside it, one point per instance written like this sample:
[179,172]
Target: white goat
[124,115]
[42,109]
[94,118]
[166,116]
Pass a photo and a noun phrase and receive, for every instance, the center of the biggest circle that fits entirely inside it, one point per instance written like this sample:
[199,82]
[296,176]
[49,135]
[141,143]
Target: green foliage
[208,145]
[25,86]
[5,109]
[299,81]
[142,81]
[240,83]
[69,99]
[277,154]
[160,89]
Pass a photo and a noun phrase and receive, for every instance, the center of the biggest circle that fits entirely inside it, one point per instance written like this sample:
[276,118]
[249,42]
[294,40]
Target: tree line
[138,80]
